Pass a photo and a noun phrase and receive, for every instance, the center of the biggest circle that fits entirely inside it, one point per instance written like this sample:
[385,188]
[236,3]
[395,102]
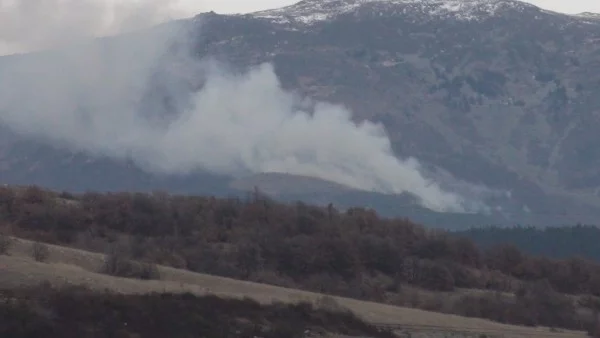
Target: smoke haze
[127,97]
[27,25]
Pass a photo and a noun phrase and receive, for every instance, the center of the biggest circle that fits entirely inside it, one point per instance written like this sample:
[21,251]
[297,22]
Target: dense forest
[354,253]
[553,242]
[80,313]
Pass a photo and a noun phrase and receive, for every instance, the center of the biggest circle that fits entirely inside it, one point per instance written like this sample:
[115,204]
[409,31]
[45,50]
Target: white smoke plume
[93,95]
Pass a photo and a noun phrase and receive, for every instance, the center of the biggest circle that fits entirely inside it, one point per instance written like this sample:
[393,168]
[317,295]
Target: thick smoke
[134,97]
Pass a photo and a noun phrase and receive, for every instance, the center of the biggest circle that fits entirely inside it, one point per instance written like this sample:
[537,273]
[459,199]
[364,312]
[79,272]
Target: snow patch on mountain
[309,12]
[589,15]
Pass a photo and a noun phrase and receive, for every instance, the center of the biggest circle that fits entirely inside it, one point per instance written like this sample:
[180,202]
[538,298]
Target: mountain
[495,93]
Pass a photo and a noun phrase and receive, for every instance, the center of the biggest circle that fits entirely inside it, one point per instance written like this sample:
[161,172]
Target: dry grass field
[77,267]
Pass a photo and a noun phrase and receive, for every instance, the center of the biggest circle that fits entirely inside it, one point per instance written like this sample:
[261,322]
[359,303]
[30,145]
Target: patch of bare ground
[77,267]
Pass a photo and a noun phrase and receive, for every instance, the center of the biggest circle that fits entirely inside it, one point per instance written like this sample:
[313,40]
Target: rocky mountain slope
[492,92]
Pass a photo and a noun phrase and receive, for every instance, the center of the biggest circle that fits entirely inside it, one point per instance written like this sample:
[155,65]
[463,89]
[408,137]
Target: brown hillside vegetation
[74,267]
[354,253]
[78,312]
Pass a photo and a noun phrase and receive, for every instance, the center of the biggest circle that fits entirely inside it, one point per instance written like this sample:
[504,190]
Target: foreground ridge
[354,254]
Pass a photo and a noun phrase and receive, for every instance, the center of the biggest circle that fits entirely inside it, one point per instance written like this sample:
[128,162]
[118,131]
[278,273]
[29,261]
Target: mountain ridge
[506,102]
[310,11]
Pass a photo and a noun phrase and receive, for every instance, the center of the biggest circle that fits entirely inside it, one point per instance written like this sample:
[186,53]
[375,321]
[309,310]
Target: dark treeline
[553,242]
[79,313]
[354,253]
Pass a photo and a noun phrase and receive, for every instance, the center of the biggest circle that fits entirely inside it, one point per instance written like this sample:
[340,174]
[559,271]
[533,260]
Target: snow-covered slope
[589,15]
[312,11]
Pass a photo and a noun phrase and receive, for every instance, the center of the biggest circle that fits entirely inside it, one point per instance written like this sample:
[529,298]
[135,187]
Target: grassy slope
[67,265]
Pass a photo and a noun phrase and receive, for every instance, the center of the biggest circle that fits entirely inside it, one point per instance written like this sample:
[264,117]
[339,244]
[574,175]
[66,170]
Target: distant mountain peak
[309,12]
[589,15]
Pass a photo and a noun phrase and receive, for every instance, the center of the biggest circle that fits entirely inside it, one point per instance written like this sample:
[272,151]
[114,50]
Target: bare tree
[40,252]
[5,243]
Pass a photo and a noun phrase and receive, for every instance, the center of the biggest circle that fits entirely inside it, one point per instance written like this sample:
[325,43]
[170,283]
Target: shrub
[118,264]
[5,244]
[40,252]
[329,303]
[149,271]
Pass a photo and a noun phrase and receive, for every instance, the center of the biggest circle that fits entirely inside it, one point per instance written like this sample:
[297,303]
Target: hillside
[275,184]
[68,300]
[495,98]
[78,268]
[82,313]
[354,253]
